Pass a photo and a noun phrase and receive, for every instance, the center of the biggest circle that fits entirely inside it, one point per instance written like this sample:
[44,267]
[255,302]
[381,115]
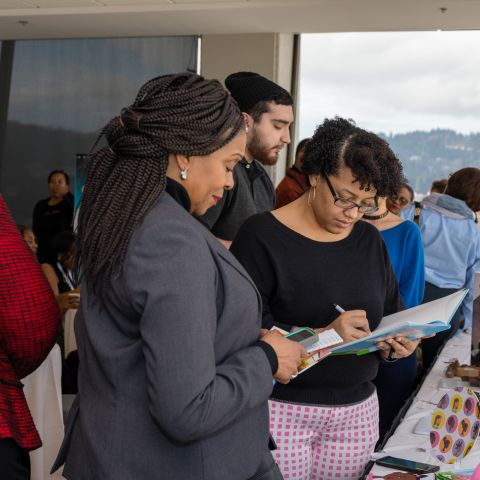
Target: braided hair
[339,143]
[181,114]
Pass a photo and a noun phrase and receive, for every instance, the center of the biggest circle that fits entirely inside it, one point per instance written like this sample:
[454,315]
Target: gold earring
[309,200]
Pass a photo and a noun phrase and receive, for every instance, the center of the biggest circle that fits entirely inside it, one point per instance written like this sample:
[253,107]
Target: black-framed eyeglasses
[401,200]
[346,204]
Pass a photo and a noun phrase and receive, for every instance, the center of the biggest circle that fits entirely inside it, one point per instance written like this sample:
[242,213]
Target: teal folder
[416,322]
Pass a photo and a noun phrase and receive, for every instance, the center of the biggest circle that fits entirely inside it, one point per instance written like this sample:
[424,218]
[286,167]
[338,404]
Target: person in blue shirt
[395,380]
[451,241]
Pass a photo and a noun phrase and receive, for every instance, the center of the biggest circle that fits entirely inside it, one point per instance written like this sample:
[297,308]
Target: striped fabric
[29,319]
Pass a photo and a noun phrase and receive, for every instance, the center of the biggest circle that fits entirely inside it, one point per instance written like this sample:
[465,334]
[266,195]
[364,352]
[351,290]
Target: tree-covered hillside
[428,156]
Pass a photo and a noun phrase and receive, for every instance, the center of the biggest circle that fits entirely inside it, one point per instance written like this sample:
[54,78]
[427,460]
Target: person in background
[53,215]
[174,371]
[29,319]
[397,203]
[307,256]
[438,186]
[395,381]
[29,237]
[268,115]
[451,242]
[60,273]
[294,184]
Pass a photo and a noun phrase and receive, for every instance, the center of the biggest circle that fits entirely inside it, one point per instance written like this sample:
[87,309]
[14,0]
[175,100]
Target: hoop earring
[184,174]
[309,200]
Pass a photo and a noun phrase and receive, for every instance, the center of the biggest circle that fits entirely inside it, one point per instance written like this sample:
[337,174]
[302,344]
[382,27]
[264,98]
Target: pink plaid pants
[324,443]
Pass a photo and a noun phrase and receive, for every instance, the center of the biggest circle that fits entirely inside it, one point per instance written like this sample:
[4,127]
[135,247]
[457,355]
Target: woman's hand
[289,355]
[351,325]
[398,347]
[69,300]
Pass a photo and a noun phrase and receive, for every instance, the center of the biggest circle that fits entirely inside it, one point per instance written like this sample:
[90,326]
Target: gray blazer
[171,385]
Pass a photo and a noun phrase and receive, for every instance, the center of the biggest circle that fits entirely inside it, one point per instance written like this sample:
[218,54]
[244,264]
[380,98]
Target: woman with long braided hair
[174,377]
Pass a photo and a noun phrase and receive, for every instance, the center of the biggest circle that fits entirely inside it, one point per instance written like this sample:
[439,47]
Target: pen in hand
[338,308]
[364,328]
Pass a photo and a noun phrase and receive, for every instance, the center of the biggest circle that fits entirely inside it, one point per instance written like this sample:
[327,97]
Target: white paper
[326,339]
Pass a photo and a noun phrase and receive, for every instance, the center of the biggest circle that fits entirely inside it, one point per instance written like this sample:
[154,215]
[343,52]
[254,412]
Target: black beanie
[249,88]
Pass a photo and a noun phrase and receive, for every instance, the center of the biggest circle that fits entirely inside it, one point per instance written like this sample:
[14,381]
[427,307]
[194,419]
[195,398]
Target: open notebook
[416,322]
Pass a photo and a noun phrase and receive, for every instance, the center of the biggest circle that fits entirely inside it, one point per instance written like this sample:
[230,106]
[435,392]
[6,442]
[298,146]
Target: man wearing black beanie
[268,115]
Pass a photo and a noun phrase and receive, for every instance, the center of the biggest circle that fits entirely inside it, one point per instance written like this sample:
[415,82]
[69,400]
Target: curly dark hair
[339,143]
[181,114]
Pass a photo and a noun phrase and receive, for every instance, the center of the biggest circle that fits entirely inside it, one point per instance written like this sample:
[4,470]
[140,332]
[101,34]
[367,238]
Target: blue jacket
[451,242]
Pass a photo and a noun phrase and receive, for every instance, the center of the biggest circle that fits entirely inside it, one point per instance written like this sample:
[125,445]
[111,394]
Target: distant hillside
[427,156]
[32,151]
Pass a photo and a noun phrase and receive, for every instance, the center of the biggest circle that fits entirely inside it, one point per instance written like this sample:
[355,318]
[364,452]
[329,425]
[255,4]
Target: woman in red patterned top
[29,319]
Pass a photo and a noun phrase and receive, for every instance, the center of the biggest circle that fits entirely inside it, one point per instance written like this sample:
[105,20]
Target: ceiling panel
[12,5]
[134,3]
[179,2]
[161,17]
[62,3]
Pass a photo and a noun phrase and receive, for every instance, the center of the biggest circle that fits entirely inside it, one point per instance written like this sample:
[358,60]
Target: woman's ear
[313,179]
[181,161]
[178,166]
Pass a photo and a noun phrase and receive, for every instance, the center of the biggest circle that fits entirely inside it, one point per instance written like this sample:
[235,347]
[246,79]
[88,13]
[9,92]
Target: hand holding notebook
[318,350]
[416,322]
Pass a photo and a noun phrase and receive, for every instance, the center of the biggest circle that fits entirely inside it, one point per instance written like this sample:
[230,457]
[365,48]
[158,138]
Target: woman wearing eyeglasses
[304,258]
[396,203]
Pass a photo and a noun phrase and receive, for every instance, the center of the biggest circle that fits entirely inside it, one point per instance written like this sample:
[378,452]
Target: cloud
[393,81]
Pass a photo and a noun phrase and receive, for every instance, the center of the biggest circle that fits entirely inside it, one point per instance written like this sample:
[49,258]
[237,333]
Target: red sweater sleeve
[29,315]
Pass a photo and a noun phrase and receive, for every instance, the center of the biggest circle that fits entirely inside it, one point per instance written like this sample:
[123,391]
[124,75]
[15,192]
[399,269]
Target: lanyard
[67,276]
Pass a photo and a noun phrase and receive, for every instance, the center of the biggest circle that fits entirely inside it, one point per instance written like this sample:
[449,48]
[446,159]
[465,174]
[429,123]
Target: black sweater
[300,279]
[48,221]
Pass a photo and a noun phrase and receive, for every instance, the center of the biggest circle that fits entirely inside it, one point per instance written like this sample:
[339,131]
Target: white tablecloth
[43,391]
[68,330]
[406,444]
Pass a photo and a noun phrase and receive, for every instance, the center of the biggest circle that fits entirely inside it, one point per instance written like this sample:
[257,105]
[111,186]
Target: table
[406,444]
[69,331]
[43,392]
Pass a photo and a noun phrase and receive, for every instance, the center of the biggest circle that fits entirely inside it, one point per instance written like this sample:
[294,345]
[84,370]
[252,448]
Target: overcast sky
[391,82]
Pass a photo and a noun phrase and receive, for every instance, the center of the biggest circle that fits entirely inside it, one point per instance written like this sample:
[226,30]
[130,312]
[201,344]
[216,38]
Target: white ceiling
[23,19]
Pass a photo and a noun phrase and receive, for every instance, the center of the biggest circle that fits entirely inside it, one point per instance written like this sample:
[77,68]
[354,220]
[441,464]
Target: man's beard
[265,155]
